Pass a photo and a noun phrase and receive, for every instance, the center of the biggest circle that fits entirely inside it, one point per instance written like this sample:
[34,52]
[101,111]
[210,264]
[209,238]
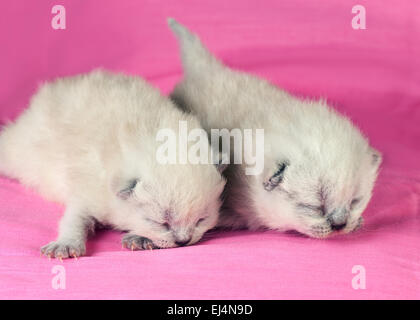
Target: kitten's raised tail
[195,57]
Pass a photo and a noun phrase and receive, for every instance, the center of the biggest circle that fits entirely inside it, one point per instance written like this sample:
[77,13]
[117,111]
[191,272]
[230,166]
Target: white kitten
[89,142]
[319,170]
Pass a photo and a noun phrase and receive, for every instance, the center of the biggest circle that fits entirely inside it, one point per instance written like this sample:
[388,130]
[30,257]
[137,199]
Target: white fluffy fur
[85,138]
[331,169]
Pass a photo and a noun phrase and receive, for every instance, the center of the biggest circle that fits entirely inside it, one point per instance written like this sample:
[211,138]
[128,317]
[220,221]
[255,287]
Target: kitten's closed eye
[319,209]
[200,221]
[165,225]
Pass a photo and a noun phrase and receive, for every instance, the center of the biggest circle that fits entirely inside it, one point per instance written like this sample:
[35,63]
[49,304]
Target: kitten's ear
[376,157]
[125,189]
[223,162]
[277,176]
[220,160]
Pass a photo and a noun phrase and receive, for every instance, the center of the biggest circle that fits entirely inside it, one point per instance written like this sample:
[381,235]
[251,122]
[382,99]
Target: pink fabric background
[305,46]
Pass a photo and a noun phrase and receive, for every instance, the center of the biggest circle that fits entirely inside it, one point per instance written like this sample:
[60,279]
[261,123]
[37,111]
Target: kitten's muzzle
[182,243]
[338,219]
[338,227]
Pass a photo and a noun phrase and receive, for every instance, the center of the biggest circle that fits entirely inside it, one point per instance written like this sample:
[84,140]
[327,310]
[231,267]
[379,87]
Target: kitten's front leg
[135,242]
[72,235]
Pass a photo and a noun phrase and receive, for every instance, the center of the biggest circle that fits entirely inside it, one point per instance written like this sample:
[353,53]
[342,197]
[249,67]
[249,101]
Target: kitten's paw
[134,242]
[64,249]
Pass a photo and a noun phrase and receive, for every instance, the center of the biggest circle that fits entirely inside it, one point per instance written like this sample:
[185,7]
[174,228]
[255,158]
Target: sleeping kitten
[89,142]
[319,170]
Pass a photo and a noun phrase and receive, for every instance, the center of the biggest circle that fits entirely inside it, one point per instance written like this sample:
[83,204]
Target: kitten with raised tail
[319,169]
[89,142]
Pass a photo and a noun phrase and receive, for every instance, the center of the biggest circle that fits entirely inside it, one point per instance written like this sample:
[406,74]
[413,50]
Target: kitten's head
[172,204]
[320,180]
[173,207]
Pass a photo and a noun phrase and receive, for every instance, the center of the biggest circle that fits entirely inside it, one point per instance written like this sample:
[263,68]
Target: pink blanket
[306,46]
